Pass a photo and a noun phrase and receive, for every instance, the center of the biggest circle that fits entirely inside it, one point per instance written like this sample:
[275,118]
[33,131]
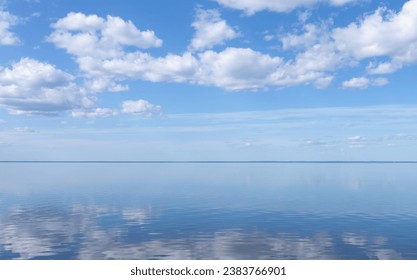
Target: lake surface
[208,211]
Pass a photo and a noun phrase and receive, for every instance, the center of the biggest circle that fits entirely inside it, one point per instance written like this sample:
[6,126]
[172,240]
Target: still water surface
[208,211]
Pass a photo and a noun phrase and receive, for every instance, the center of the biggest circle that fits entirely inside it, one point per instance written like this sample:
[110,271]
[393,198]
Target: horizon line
[208,161]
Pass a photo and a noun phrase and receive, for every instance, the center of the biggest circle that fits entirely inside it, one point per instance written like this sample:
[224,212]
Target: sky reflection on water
[208,211]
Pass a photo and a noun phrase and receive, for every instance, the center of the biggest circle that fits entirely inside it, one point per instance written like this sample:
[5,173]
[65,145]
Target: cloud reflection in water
[208,211]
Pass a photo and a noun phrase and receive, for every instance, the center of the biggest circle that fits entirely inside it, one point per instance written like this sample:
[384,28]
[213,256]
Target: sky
[208,80]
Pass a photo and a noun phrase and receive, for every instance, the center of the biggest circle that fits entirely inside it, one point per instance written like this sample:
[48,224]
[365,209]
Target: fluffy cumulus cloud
[383,33]
[210,30]
[7,21]
[231,68]
[363,82]
[141,66]
[311,35]
[98,45]
[141,108]
[101,84]
[94,113]
[237,69]
[375,68]
[89,35]
[359,82]
[252,6]
[110,50]
[33,87]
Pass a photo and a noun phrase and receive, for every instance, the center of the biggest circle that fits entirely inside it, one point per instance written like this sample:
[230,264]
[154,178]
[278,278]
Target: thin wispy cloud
[7,22]
[274,135]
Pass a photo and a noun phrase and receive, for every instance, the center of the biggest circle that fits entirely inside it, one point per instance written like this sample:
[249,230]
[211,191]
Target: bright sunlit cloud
[109,67]
[7,21]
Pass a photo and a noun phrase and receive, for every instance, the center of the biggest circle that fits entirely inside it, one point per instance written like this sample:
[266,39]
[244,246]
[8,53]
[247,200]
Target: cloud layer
[318,50]
[89,35]
[210,30]
[141,107]
[33,87]
[382,34]
[231,68]
[111,52]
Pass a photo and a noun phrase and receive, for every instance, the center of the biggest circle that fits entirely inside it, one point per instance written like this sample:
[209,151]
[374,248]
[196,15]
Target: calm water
[208,211]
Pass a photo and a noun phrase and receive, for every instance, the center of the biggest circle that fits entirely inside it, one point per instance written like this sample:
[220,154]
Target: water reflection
[37,233]
[96,232]
[373,248]
[209,212]
[221,245]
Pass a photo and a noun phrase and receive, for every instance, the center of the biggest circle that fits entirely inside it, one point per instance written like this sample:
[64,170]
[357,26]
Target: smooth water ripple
[208,211]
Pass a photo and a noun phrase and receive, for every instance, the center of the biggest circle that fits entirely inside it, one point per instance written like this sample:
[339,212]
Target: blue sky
[208,80]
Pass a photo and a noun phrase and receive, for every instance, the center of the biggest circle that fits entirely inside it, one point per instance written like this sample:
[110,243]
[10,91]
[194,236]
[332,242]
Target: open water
[208,211]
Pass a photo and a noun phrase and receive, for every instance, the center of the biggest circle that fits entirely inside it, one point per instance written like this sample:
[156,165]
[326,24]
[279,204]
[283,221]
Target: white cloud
[33,87]
[32,73]
[383,33]
[89,35]
[310,37]
[210,30]
[142,66]
[341,2]
[98,45]
[237,69]
[126,33]
[80,21]
[232,69]
[363,82]
[141,108]
[316,58]
[7,21]
[104,84]
[172,68]
[105,62]
[135,107]
[313,66]
[252,6]
[382,68]
[359,82]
